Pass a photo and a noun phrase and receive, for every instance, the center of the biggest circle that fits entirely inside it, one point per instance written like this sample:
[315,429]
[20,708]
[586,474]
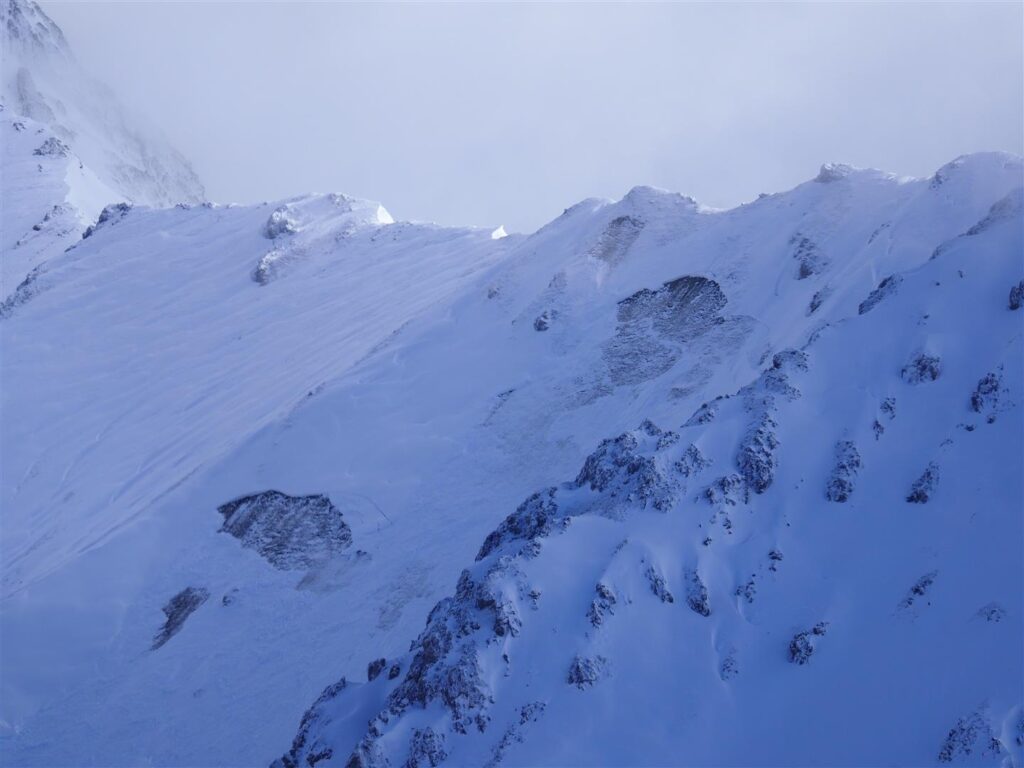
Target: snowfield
[298,484]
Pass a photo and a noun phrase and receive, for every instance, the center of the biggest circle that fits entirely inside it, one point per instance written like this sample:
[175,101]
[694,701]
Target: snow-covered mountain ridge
[43,81]
[765,567]
[514,359]
[654,485]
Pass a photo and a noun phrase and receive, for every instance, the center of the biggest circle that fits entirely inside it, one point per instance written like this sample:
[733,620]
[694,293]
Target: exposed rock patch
[887,412]
[27,289]
[658,585]
[748,590]
[374,668]
[543,321]
[886,288]
[622,469]
[52,147]
[692,462]
[584,671]
[972,739]
[756,458]
[985,398]
[818,299]
[602,606]
[809,256]
[919,591]
[616,239]
[703,415]
[922,369]
[804,644]
[426,749]
[177,610]
[841,482]
[528,713]
[1017,296]
[923,488]
[534,518]
[654,324]
[291,532]
[313,718]
[696,593]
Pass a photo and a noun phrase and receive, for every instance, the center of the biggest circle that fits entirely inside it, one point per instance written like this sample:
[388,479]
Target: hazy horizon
[506,114]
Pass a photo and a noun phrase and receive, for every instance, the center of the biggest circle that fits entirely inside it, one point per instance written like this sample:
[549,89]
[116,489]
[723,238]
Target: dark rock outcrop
[810,258]
[804,644]
[534,518]
[603,605]
[696,593]
[1017,296]
[291,532]
[756,458]
[841,482]
[616,239]
[918,591]
[921,369]
[727,491]
[658,585]
[703,415]
[585,671]
[110,215]
[818,299]
[622,469]
[985,398]
[692,462]
[52,147]
[28,288]
[653,326]
[426,749]
[747,591]
[887,413]
[445,667]
[177,610]
[970,740]
[315,716]
[886,288]
[374,668]
[924,486]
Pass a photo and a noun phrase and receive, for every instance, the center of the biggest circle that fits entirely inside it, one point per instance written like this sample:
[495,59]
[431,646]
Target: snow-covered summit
[30,34]
[43,81]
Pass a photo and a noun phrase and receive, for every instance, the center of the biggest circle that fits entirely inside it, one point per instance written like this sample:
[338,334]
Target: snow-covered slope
[43,81]
[49,198]
[820,567]
[247,449]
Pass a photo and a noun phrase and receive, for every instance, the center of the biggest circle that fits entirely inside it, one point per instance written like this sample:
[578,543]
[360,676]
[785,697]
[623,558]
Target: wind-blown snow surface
[692,596]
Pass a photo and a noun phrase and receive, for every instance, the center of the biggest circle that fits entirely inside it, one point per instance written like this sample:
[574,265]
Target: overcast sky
[505,114]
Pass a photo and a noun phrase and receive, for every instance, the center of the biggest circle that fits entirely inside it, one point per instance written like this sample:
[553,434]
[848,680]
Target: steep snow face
[702,581]
[702,594]
[43,81]
[671,449]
